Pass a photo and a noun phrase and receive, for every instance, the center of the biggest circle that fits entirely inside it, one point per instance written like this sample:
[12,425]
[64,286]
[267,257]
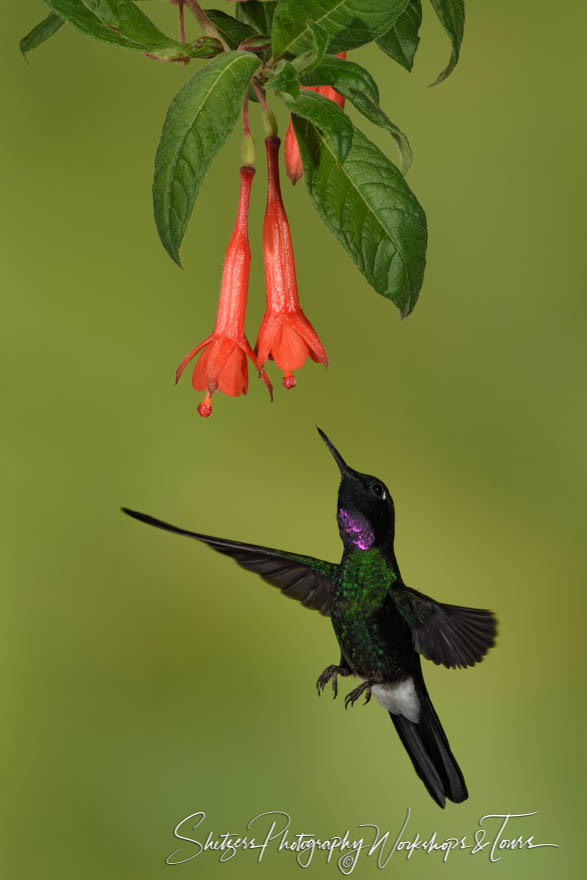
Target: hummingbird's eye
[378,490]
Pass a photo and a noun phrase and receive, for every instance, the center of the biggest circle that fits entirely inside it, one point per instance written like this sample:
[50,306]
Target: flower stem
[205,22]
[259,94]
[269,120]
[247,144]
[181,22]
[246,123]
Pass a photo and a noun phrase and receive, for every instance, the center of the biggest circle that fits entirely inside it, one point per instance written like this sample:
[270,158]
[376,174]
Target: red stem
[259,94]
[205,22]
[181,22]
[246,123]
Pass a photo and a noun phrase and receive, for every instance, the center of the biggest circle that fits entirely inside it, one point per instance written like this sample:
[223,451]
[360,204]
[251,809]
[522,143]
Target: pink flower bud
[293,160]
[291,154]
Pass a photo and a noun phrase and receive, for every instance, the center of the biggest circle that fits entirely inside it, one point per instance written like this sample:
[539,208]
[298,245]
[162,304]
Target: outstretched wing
[451,635]
[303,578]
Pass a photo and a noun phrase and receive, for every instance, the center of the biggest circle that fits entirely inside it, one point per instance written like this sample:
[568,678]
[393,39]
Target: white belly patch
[399,698]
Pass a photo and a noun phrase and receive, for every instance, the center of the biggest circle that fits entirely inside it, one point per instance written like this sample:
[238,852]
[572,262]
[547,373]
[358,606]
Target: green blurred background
[146,678]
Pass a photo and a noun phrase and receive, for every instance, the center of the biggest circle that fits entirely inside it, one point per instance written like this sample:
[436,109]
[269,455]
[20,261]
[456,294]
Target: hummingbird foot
[331,673]
[352,697]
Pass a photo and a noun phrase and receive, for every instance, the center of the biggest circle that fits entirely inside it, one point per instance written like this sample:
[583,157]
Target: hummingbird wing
[451,635]
[300,577]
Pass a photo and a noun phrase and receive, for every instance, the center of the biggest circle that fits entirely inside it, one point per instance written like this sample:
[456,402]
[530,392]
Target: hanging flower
[293,160]
[285,335]
[291,155]
[222,365]
[330,93]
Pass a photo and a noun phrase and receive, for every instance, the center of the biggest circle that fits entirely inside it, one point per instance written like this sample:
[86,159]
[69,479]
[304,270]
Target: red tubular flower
[285,335]
[291,154]
[223,363]
[293,160]
[331,93]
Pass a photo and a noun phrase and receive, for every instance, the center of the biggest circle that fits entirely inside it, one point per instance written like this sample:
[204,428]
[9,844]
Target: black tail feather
[428,748]
[423,765]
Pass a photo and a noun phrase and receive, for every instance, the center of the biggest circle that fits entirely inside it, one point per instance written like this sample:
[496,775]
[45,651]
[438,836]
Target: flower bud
[293,161]
[291,155]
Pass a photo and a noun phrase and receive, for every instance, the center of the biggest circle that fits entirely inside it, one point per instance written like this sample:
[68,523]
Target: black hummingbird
[382,626]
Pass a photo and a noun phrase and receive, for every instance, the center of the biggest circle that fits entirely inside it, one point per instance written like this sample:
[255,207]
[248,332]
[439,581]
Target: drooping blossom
[285,335]
[293,160]
[222,364]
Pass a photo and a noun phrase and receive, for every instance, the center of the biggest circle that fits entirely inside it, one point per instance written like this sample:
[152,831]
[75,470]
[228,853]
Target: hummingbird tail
[428,748]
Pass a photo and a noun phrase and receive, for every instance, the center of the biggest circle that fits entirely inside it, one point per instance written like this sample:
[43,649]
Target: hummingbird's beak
[342,465]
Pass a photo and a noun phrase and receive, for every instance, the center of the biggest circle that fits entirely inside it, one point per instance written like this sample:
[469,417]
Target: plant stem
[246,123]
[181,22]
[259,94]
[267,114]
[205,22]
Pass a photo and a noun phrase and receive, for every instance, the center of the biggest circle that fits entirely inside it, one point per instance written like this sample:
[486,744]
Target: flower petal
[200,371]
[189,356]
[309,335]
[268,331]
[244,344]
[234,376]
[290,349]
[210,365]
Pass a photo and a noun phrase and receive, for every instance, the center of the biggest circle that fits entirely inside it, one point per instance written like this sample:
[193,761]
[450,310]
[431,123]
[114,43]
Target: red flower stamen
[222,364]
[286,336]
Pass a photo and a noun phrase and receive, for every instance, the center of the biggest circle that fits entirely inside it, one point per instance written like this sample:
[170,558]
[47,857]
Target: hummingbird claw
[331,673]
[352,697]
[349,700]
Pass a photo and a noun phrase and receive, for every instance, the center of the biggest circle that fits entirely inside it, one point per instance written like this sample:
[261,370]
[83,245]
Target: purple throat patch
[356,527]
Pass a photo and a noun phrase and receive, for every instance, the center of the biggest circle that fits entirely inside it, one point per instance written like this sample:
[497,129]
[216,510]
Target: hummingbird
[383,627]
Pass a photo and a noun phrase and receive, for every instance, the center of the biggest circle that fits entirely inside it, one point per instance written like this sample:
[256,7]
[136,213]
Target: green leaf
[328,118]
[205,47]
[401,42]
[369,207]
[133,31]
[341,75]
[257,43]
[375,114]
[286,79]
[307,61]
[40,33]
[199,120]
[452,17]
[78,15]
[231,30]
[320,38]
[348,23]
[257,13]
[128,20]
[106,10]
[357,84]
